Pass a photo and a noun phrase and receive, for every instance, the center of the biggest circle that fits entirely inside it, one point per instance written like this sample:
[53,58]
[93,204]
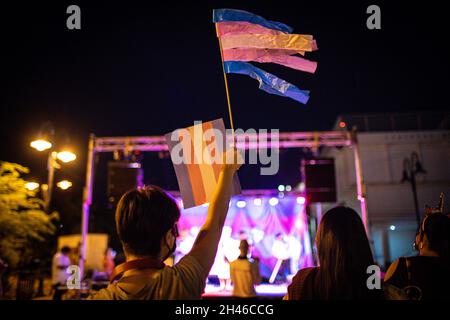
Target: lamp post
[411,167]
[43,143]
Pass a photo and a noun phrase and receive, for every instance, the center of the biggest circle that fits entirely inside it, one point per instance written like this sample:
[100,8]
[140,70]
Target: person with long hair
[426,276]
[344,255]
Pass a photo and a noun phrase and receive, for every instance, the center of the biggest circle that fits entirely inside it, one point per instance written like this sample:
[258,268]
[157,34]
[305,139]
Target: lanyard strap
[143,263]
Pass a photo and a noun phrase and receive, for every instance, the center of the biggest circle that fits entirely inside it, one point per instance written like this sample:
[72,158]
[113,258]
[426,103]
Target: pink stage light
[257,202]
[299,224]
[301,200]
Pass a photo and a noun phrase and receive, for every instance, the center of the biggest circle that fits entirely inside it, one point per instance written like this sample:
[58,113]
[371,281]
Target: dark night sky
[141,68]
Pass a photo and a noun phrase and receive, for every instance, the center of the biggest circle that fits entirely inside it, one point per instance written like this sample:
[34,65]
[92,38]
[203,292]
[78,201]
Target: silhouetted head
[434,235]
[146,222]
[344,254]
[243,246]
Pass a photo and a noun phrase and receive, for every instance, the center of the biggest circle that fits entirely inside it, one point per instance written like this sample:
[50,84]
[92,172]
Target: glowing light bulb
[31,186]
[64,184]
[40,144]
[66,156]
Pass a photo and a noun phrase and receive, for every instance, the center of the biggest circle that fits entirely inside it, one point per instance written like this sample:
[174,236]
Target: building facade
[384,148]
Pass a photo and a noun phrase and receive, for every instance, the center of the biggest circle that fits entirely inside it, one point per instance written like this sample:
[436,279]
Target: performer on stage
[280,250]
[227,251]
[295,252]
[245,273]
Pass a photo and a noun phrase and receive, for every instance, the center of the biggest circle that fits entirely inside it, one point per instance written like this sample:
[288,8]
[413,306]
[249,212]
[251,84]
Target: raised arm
[205,246]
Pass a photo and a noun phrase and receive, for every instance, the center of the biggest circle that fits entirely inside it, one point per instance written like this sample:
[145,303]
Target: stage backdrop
[259,219]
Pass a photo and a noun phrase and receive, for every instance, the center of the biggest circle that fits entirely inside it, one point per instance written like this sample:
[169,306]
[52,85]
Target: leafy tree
[25,229]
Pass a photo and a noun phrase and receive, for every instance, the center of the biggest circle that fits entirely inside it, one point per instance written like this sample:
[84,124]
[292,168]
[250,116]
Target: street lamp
[64,184]
[412,167]
[66,156]
[31,186]
[44,143]
[41,144]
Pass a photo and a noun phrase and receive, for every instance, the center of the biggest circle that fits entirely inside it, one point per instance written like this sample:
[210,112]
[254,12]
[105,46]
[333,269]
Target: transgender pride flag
[194,152]
[246,37]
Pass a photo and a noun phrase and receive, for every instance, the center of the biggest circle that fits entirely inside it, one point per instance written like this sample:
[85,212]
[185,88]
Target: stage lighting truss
[283,140]
[251,141]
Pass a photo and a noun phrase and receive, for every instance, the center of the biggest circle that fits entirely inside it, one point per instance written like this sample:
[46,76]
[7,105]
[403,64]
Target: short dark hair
[243,245]
[143,217]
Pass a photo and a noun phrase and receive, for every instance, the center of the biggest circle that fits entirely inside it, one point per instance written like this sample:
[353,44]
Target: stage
[274,224]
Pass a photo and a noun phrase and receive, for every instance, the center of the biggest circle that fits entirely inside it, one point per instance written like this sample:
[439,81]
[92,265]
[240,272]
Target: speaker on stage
[122,177]
[320,181]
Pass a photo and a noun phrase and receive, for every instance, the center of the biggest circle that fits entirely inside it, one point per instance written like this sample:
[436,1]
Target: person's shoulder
[234,262]
[187,264]
[392,269]
[104,294]
[430,263]
[308,270]
[303,273]
[185,280]
[298,283]
[241,263]
[399,267]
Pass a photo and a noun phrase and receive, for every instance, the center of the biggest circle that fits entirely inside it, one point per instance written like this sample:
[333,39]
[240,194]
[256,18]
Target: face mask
[174,247]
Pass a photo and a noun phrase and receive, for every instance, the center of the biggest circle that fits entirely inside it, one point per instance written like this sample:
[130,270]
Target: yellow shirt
[244,274]
[186,280]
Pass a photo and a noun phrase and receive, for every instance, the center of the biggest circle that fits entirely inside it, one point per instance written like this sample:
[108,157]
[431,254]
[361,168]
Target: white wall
[389,201]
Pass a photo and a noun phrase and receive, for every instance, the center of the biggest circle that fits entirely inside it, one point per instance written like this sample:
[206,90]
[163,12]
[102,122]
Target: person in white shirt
[228,250]
[281,251]
[244,274]
[60,263]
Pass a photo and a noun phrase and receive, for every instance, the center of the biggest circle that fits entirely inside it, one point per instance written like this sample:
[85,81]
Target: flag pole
[226,85]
